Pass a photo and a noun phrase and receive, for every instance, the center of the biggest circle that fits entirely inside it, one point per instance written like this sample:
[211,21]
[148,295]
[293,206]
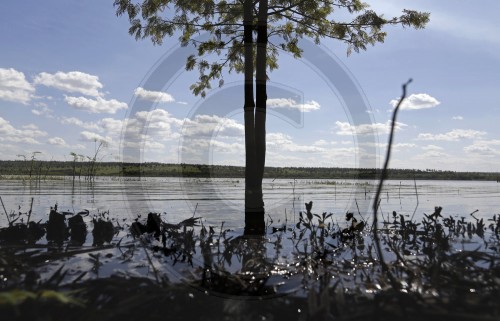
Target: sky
[71,78]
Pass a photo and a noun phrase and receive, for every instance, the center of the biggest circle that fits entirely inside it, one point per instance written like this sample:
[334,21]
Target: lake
[287,260]
[221,200]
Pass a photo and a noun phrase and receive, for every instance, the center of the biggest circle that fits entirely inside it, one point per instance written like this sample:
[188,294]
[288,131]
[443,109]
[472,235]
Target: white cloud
[490,142]
[157,122]
[322,142]
[292,104]
[74,82]
[77,122]
[432,148]
[278,139]
[483,147]
[158,118]
[92,137]
[207,125]
[371,112]
[154,96]
[453,135]
[433,154]
[197,147]
[223,147]
[43,111]
[57,141]
[344,128]
[97,105]
[28,134]
[111,125]
[14,87]
[146,130]
[284,143]
[145,145]
[403,145]
[480,149]
[416,101]
[457,118]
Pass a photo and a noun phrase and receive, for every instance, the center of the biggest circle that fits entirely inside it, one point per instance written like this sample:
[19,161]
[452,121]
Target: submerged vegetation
[322,267]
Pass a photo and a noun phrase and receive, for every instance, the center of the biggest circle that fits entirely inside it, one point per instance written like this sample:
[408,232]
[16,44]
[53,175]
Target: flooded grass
[442,267]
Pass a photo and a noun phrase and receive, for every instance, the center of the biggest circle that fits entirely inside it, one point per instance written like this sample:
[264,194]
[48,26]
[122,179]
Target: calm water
[218,200]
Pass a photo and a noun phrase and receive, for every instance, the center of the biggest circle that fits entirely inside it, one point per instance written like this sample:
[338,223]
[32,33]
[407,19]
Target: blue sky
[70,75]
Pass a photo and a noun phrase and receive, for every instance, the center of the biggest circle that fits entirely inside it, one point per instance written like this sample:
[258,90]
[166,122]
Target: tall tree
[277,25]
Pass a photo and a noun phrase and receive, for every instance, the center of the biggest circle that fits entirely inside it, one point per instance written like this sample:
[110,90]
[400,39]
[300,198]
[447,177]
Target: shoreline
[41,170]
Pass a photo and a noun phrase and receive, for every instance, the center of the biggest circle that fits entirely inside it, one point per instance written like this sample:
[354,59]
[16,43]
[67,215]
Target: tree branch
[383,176]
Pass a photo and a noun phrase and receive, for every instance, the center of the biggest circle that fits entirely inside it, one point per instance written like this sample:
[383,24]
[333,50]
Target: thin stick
[359,211]
[195,209]
[472,214]
[6,214]
[416,194]
[29,213]
[383,176]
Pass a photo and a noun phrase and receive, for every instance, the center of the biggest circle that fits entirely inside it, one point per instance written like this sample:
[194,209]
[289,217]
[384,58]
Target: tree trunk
[254,205]
[254,209]
[261,90]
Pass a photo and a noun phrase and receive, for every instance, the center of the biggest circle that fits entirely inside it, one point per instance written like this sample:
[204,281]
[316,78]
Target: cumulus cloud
[481,149]
[432,148]
[58,141]
[344,128]
[73,82]
[224,147]
[111,125]
[27,134]
[43,111]
[433,154]
[198,146]
[154,96]
[146,144]
[292,104]
[93,137]
[14,87]
[78,122]
[416,101]
[453,135]
[97,105]
[322,142]
[278,139]
[158,123]
[457,118]
[158,118]
[395,147]
[484,147]
[146,130]
[284,143]
[207,125]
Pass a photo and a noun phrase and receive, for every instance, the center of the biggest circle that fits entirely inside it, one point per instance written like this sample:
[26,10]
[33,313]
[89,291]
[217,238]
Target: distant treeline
[78,170]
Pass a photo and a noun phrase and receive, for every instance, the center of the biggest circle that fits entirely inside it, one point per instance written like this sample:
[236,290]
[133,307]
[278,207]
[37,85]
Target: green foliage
[17,297]
[288,22]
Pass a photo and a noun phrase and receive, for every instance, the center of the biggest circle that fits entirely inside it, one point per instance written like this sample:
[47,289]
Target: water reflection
[128,197]
[324,264]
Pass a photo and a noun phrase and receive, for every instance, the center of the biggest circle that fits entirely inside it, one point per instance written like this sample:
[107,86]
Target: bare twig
[29,213]
[359,212]
[416,194]
[6,214]
[194,212]
[383,176]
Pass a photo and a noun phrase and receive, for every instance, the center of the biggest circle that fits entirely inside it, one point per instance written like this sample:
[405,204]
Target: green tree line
[66,168]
